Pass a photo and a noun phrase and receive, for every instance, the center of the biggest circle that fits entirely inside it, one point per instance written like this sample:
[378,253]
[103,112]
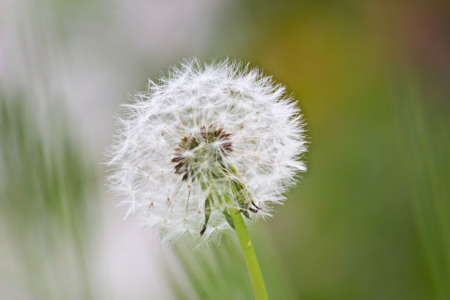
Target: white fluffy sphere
[205,138]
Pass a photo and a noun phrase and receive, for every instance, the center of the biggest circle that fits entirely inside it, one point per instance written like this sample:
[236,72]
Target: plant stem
[254,270]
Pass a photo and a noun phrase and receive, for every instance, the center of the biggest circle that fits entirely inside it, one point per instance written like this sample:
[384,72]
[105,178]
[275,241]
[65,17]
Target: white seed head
[207,137]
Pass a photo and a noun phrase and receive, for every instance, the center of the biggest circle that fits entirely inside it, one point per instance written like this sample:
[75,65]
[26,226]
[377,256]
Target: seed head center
[202,150]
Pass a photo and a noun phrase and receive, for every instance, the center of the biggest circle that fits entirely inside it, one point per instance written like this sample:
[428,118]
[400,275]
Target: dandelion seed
[206,139]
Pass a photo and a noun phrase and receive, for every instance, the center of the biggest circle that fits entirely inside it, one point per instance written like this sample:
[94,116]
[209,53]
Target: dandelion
[204,146]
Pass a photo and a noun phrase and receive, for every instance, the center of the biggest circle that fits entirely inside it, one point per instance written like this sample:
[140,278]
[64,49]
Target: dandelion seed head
[205,138]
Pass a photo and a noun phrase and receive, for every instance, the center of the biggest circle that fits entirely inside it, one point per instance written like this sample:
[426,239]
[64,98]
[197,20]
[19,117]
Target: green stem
[254,270]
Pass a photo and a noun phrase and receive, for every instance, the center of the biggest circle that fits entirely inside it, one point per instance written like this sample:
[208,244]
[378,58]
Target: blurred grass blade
[44,211]
[427,144]
[219,272]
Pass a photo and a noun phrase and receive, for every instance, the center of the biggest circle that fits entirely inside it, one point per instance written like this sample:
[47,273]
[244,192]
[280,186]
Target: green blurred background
[369,220]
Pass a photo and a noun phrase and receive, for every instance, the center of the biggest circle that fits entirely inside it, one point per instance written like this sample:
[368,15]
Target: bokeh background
[369,220]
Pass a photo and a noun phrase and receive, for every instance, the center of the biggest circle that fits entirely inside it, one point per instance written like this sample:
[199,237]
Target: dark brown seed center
[201,150]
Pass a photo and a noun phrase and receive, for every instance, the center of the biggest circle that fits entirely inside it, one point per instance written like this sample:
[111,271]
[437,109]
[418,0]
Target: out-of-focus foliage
[219,272]
[428,166]
[46,201]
